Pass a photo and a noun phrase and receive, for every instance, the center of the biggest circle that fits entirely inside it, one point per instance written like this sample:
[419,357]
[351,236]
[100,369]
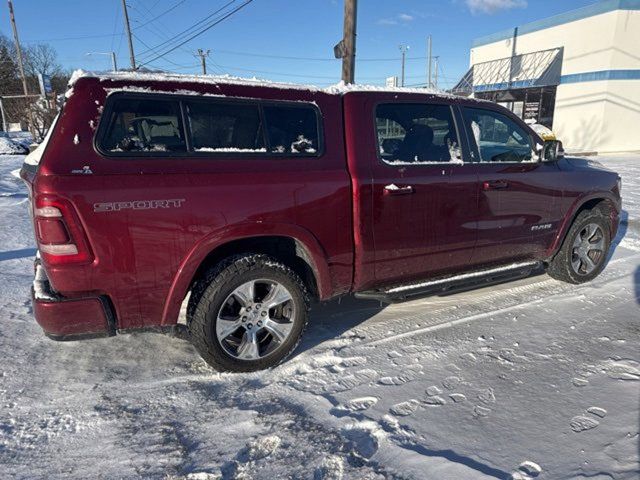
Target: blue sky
[246,43]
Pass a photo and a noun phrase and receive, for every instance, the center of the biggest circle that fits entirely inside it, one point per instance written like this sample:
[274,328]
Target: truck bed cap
[338,89]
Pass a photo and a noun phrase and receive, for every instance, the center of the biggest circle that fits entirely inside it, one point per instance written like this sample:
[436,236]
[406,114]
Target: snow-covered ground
[533,379]
[15,143]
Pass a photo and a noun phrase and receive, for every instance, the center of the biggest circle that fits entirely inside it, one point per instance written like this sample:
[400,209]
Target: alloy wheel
[588,249]
[255,319]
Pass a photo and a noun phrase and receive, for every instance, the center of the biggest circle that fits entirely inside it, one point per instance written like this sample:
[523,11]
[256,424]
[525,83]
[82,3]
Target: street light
[403,49]
[111,54]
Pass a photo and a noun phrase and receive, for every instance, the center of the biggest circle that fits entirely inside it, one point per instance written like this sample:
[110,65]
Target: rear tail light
[59,233]
[51,231]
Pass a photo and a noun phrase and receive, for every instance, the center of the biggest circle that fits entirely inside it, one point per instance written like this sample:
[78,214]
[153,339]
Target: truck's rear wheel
[584,251]
[248,313]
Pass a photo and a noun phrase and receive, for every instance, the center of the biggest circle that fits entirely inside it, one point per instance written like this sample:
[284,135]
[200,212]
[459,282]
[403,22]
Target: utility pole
[514,41]
[429,62]
[349,41]
[132,56]
[18,49]
[4,119]
[403,49]
[435,82]
[203,59]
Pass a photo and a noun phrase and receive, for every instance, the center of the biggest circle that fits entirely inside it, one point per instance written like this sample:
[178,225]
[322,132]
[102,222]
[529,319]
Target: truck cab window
[141,125]
[416,134]
[292,130]
[498,137]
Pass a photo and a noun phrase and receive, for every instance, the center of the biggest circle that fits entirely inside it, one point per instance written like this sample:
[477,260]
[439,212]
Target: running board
[454,284]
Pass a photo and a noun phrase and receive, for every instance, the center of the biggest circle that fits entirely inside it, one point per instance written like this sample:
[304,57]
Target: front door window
[499,138]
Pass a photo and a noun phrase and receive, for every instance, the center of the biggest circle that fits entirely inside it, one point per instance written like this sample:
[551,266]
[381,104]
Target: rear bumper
[64,318]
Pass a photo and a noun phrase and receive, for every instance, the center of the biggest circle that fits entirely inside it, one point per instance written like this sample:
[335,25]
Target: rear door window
[292,130]
[416,134]
[144,125]
[225,127]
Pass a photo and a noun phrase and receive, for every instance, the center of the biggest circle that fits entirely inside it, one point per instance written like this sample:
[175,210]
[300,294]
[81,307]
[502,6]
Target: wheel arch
[588,202]
[295,247]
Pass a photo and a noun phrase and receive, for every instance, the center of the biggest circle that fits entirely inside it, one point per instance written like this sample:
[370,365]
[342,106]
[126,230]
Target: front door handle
[495,185]
[393,189]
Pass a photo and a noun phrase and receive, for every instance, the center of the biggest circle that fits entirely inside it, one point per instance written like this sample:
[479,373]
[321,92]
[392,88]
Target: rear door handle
[393,189]
[495,185]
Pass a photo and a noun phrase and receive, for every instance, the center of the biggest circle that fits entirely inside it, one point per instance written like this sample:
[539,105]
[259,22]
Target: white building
[578,73]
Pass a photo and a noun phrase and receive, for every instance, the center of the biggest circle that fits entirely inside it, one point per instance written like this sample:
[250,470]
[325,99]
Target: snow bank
[9,147]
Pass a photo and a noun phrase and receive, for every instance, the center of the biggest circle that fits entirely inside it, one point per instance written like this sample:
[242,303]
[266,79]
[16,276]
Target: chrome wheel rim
[588,249]
[256,319]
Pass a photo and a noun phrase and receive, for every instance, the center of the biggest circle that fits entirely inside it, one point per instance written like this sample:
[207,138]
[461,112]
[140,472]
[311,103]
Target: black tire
[561,267]
[212,293]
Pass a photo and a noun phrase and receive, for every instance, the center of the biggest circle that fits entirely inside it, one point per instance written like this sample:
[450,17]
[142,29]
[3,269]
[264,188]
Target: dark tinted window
[137,125]
[498,137]
[292,130]
[416,133]
[219,127]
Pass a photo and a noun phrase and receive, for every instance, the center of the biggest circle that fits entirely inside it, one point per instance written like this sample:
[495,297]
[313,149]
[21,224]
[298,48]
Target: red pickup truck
[248,201]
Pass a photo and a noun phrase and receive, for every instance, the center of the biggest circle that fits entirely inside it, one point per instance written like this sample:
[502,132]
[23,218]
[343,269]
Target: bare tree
[40,59]
[42,115]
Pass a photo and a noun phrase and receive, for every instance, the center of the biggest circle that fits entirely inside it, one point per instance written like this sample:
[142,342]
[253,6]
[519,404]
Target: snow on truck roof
[338,89]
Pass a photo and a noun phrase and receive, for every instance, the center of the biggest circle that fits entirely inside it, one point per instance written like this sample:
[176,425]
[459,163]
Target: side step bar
[454,284]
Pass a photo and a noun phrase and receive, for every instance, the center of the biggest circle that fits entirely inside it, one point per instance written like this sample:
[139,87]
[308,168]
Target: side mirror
[552,151]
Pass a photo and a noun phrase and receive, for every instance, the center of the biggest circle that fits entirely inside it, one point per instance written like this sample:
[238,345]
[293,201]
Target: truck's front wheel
[248,313]
[584,251]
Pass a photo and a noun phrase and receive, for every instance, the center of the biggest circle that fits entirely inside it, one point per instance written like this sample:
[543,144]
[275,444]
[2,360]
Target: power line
[152,28]
[285,74]
[310,59]
[177,67]
[161,14]
[164,60]
[217,67]
[77,37]
[188,30]
[115,27]
[98,35]
[120,41]
[283,57]
[202,31]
